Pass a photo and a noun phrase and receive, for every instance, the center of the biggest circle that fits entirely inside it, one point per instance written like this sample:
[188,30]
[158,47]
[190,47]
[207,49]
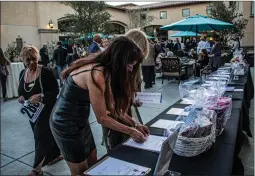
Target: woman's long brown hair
[120,82]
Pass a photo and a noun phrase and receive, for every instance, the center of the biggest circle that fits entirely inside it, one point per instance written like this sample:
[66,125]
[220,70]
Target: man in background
[177,46]
[201,45]
[59,56]
[44,56]
[170,45]
[95,45]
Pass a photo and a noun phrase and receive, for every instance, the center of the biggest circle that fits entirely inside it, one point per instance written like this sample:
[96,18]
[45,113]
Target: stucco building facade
[30,20]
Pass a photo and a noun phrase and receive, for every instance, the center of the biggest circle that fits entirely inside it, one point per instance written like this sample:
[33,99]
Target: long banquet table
[13,79]
[218,160]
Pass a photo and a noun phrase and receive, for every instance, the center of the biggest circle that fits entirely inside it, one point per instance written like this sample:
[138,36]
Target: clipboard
[118,161]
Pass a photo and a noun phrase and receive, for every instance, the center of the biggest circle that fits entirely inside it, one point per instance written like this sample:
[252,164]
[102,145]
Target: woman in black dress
[38,84]
[107,81]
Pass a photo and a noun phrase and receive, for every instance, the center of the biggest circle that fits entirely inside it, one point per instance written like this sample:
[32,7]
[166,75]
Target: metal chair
[171,67]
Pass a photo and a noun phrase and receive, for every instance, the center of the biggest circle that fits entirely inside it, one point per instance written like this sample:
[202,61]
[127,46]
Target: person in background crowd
[182,45]
[193,43]
[170,45]
[75,55]
[59,56]
[94,81]
[104,45]
[163,46]
[69,55]
[148,68]
[201,45]
[188,45]
[177,46]
[166,51]
[236,46]
[4,61]
[216,54]
[169,54]
[38,84]
[44,56]
[95,45]
[208,45]
[157,48]
[192,54]
[202,62]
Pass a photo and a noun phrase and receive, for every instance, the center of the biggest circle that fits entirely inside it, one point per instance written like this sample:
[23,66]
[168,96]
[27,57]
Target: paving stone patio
[17,143]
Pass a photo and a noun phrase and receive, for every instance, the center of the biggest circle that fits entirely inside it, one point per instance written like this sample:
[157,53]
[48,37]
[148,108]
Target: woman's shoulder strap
[86,71]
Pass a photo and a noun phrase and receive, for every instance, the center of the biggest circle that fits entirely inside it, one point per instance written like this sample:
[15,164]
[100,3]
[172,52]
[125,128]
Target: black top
[71,104]
[216,50]
[44,56]
[49,84]
[177,47]
[170,46]
[59,55]
[204,61]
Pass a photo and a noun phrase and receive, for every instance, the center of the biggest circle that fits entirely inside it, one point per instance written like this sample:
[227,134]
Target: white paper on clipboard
[153,143]
[113,166]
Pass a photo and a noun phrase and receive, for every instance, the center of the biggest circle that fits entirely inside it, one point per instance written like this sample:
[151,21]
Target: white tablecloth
[13,79]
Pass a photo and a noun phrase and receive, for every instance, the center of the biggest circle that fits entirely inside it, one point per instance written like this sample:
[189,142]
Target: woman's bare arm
[98,104]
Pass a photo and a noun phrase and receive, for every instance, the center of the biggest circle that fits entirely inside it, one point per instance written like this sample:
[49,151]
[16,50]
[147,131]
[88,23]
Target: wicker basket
[190,147]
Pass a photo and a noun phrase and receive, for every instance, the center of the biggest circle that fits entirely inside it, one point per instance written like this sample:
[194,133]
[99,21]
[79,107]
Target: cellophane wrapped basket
[222,107]
[186,88]
[197,134]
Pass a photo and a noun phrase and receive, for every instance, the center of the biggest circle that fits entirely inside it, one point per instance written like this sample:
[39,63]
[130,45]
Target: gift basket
[197,134]
[222,107]
[188,87]
[239,65]
[223,76]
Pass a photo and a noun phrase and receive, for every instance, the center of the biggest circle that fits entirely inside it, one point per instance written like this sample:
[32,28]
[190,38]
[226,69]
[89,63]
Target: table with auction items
[220,157]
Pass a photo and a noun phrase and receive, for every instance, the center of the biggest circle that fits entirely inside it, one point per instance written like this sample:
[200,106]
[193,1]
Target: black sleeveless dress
[45,146]
[69,122]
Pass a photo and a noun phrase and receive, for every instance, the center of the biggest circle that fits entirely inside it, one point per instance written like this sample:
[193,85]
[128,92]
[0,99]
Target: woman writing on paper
[39,85]
[112,138]
[106,80]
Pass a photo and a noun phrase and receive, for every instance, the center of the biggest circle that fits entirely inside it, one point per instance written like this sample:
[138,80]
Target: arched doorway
[118,27]
[154,30]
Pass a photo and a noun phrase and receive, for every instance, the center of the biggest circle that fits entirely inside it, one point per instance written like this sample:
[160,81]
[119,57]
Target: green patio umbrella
[198,23]
[185,34]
